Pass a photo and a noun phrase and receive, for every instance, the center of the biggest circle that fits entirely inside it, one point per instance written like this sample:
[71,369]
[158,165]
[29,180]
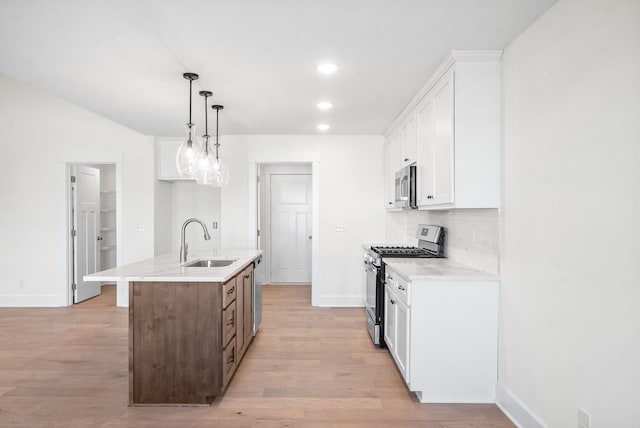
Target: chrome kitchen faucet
[183,245]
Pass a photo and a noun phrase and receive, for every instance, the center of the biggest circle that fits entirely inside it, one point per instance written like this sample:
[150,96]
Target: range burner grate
[399,251]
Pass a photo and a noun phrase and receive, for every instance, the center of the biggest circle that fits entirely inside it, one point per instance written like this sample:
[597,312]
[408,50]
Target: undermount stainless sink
[210,263]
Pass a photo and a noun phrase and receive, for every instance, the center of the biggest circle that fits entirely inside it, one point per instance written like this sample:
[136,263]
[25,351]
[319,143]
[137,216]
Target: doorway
[256,160]
[94,203]
[285,222]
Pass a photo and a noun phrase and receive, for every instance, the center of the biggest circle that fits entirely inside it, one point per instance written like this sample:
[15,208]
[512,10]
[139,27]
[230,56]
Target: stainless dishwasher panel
[258,275]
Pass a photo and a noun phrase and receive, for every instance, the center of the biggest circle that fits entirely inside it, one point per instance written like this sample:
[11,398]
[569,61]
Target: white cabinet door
[402,313]
[408,141]
[425,148]
[435,121]
[391,166]
[443,140]
[389,320]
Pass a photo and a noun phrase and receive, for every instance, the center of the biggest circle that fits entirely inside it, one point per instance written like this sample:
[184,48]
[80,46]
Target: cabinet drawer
[228,323]
[229,361]
[402,289]
[229,291]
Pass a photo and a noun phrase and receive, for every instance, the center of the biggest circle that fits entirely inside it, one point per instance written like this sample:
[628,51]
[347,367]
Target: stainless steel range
[430,245]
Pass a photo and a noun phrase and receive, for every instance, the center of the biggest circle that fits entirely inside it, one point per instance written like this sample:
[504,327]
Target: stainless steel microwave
[405,185]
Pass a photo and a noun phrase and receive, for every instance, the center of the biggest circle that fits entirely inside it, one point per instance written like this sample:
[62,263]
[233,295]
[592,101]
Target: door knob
[309,237]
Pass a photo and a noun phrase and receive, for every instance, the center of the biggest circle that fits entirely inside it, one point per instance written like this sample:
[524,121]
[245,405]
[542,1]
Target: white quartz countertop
[435,269]
[167,268]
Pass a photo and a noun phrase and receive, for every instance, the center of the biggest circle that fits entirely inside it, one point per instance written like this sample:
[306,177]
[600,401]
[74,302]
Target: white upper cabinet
[435,147]
[166,150]
[456,123]
[408,141]
[391,165]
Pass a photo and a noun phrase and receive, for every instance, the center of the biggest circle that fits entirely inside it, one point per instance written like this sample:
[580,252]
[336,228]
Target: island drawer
[229,323]
[228,292]
[229,357]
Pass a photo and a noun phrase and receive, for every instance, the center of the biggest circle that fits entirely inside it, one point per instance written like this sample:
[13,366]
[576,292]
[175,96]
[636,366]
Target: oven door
[371,273]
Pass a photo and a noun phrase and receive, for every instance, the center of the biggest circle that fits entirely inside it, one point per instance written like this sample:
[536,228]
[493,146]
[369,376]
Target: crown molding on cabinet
[446,64]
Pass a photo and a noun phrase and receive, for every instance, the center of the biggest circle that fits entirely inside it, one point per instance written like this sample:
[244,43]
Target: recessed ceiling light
[328,68]
[324,105]
[323,127]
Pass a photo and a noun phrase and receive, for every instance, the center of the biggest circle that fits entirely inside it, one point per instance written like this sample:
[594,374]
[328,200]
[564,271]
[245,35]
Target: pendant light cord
[206,126]
[217,144]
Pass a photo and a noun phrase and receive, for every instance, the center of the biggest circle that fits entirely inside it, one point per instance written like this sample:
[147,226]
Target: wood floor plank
[307,368]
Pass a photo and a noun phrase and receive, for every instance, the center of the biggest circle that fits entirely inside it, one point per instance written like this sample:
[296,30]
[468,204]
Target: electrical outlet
[340,228]
[584,418]
[139,227]
[215,225]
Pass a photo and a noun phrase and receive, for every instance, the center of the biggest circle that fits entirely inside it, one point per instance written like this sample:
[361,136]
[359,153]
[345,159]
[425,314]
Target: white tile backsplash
[472,235]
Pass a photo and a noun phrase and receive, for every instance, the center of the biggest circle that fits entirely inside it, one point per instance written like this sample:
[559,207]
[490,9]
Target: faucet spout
[183,245]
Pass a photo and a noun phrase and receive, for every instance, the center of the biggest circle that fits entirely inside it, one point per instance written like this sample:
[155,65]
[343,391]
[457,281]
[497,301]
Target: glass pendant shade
[204,166]
[187,153]
[220,173]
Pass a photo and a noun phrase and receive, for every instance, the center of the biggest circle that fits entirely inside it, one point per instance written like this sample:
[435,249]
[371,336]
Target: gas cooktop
[385,251]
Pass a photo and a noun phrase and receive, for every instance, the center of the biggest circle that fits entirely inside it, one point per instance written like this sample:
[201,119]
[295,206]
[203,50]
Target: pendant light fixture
[204,166]
[186,156]
[220,168]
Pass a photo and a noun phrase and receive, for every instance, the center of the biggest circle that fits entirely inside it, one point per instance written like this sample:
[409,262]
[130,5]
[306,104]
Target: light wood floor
[308,367]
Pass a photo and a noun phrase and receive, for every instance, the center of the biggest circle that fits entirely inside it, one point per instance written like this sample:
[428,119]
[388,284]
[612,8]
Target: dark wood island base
[186,339]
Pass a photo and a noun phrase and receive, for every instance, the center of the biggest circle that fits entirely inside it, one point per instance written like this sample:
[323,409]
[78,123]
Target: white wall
[38,131]
[471,239]
[350,193]
[570,222]
[190,199]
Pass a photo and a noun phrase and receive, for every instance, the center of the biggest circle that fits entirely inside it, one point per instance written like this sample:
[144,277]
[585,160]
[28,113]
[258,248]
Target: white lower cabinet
[443,336]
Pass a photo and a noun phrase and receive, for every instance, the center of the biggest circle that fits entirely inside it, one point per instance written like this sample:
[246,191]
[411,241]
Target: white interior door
[290,214]
[86,223]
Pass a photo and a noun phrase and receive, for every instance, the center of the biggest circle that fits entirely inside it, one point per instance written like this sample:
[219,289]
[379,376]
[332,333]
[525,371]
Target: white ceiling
[124,59]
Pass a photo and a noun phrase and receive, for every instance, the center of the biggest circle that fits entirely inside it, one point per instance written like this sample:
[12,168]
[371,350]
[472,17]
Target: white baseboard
[32,301]
[516,410]
[340,301]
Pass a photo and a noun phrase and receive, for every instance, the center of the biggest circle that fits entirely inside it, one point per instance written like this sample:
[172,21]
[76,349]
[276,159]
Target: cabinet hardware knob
[231,290]
[400,287]
[393,302]
[406,159]
[247,276]
[390,203]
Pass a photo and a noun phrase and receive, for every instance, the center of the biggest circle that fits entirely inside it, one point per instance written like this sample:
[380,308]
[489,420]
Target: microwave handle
[404,196]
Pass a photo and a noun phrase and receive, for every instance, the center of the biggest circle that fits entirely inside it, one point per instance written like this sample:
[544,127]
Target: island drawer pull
[231,290]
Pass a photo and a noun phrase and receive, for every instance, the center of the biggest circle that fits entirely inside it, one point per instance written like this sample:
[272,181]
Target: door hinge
[73,178]
[73,286]
[73,233]
[258,178]
[258,232]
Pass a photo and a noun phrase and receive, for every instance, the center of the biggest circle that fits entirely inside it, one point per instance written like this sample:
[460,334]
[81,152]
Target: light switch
[139,227]
[340,227]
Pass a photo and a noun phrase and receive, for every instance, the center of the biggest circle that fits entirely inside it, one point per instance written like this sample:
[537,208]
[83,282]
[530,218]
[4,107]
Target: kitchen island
[189,327]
